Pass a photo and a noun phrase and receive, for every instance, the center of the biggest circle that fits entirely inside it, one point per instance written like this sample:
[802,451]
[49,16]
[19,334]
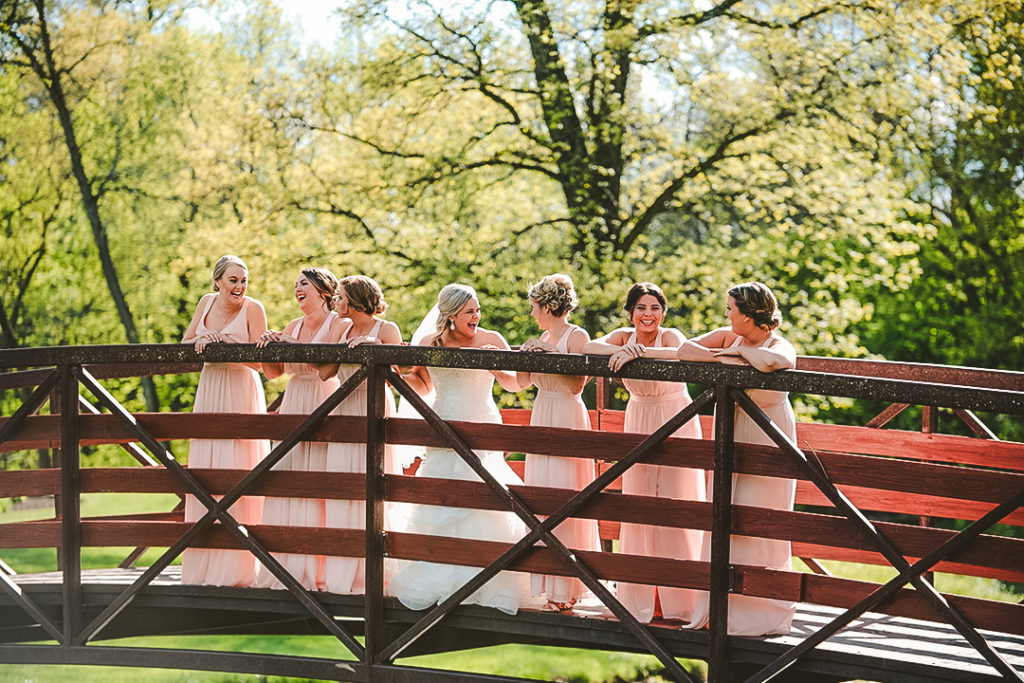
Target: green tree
[629,140]
[965,307]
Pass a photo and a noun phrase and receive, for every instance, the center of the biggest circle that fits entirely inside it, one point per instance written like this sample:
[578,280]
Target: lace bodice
[464,394]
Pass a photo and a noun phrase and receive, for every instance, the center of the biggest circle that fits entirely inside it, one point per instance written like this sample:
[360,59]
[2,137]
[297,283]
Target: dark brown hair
[364,294]
[756,300]
[638,290]
[324,282]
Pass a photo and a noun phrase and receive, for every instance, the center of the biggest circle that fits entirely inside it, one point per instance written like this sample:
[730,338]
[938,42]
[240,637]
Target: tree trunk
[51,78]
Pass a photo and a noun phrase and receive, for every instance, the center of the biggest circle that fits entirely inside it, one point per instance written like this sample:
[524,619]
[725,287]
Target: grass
[525,661]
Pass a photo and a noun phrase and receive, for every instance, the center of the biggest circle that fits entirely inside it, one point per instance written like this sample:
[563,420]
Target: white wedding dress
[462,394]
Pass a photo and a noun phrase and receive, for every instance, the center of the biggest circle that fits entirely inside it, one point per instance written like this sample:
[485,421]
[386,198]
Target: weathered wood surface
[876,647]
[882,471]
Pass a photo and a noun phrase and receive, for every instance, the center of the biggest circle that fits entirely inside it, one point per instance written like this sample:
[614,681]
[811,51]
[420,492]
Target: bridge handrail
[999,391]
[976,389]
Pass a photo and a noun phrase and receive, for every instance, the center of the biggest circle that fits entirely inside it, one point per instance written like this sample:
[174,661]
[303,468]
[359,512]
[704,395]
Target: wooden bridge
[852,482]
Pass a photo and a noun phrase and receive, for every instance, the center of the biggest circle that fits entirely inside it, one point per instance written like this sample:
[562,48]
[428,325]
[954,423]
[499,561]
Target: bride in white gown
[462,394]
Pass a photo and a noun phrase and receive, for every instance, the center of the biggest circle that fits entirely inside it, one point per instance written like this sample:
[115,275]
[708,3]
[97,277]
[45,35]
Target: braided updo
[555,293]
[756,300]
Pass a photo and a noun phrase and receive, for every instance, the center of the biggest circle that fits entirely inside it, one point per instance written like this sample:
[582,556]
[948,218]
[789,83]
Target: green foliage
[864,159]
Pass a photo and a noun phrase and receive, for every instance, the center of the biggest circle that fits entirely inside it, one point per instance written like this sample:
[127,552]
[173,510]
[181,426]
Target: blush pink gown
[225,388]
[346,575]
[556,406]
[305,392]
[750,616]
[651,404]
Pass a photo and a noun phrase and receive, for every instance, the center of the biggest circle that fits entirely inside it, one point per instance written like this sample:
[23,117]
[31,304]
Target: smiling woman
[226,316]
[651,404]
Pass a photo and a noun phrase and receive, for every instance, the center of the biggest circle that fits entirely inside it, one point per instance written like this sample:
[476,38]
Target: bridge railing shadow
[844,472]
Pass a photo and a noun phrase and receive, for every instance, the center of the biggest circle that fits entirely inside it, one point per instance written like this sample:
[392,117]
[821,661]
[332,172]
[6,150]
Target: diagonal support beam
[542,530]
[30,607]
[820,479]
[217,510]
[29,406]
[141,456]
[884,417]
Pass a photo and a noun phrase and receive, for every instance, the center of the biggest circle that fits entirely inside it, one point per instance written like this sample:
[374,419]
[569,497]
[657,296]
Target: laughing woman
[462,394]
[360,300]
[314,290]
[226,316]
[651,404]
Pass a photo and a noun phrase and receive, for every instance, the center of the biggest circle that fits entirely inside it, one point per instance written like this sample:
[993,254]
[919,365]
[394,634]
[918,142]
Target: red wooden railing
[848,473]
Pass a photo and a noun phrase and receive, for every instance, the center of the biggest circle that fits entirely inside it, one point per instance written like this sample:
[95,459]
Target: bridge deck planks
[875,647]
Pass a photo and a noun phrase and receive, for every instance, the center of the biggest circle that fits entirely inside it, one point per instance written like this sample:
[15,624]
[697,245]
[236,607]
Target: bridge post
[721,526]
[70,505]
[373,609]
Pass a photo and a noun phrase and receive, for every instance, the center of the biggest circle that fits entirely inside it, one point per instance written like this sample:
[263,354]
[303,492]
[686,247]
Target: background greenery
[864,158]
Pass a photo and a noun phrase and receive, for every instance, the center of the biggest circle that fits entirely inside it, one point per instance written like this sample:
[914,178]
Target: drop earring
[451,324]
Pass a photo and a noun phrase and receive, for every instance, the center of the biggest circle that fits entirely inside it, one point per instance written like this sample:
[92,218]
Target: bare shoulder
[493,337]
[389,333]
[780,343]
[618,337]
[672,337]
[716,339]
[255,304]
[578,338]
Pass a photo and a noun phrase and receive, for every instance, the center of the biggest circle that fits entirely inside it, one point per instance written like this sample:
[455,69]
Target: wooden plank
[824,552]
[914,372]
[45,482]
[878,500]
[911,445]
[997,553]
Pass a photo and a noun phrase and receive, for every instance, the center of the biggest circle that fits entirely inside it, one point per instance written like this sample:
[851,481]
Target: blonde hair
[757,300]
[450,300]
[222,265]
[364,294]
[555,293]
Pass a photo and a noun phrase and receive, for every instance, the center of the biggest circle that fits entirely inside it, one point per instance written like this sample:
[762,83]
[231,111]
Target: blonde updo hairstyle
[324,282]
[757,301]
[222,265]
[450,300]
[364,294]
[555,293]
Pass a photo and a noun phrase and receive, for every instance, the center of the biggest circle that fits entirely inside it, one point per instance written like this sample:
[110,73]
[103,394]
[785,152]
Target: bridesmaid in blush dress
[750,339]
[360,300]
[558,404]
[651,404]
[226,316]
[314,291]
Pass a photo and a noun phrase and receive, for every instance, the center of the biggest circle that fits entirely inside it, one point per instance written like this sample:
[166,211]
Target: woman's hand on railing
[364,339]
[273,336]
[538,345]
[627,353]
[206,339]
